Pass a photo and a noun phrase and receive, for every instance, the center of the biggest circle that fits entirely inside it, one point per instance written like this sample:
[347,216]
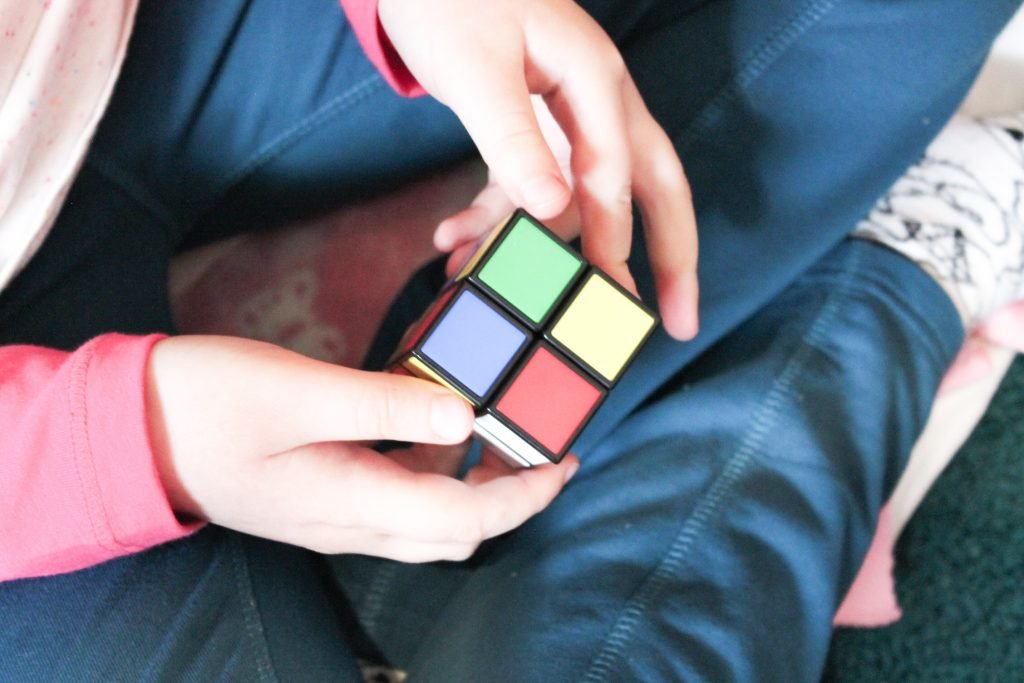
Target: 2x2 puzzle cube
[530,334]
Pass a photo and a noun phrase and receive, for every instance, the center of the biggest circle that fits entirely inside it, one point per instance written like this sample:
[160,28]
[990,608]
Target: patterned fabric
[960,212]
[58,63]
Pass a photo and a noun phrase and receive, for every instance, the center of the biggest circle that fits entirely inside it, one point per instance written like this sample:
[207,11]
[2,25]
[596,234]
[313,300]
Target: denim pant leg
[234,122]
[792,117]
[218,606]
[712,534]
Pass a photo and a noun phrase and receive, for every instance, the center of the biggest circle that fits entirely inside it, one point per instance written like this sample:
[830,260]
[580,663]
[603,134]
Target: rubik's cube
[532,336]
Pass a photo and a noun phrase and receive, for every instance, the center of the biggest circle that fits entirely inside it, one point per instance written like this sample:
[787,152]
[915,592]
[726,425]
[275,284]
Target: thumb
[354,405]
[475,221]
[219,394]
[493,103]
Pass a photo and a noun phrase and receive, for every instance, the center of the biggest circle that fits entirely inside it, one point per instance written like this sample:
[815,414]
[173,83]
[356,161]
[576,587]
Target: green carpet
[959,568]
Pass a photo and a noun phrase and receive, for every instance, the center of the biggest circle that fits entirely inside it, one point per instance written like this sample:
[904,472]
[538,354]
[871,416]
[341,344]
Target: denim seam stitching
[622,630]
[372,604]
[278,145]
[762,57]
[925,322]
[110,171]
[250,612]
[933,349]
[880,289]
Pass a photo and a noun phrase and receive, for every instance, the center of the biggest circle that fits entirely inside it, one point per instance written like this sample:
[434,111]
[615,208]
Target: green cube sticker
[530,270]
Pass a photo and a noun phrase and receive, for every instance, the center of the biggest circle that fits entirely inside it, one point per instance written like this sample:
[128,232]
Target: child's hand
[460,234]
[265,441]
[484,59]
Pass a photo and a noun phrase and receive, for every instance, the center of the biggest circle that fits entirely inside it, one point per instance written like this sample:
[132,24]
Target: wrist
[181,501]
[378,35]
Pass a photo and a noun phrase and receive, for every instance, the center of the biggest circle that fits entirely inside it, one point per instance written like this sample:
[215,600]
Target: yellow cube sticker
[602,327]
[420,369]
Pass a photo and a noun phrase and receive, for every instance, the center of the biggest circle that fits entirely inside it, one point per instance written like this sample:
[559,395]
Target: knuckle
[623,198]
[606,183]
[376,417]
[462,553]
[401,553]
[516,129]
[667,171]
[325,547]
[468,531]
[323,543]
[605,56]
[416,555]
[615,65]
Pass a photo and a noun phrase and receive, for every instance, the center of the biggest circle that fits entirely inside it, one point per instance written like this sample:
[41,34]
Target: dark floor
[960,568]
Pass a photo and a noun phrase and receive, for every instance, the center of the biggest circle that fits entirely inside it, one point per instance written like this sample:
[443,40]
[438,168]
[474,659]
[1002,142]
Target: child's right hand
[265,441]
[485,59]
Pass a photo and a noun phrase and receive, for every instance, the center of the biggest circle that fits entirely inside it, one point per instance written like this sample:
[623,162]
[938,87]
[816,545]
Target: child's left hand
[265,441]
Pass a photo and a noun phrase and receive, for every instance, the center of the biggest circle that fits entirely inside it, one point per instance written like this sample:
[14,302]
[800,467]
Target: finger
[491,466]
[566,226]
[459,258]
[591,110]
[533,489]
[492,100]
[436,459]
[371,405]
[357,491]
[305,401]
[350,493]
[670,226]
[487,209]
[439,509]
[329,541]
[414,552]
[254,399]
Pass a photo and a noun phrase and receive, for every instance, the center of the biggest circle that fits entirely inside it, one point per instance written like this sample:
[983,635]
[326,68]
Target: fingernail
[544,193]
[694,322]
[692,299]
[681,316]
[689,325]
[571,471]
[450,417]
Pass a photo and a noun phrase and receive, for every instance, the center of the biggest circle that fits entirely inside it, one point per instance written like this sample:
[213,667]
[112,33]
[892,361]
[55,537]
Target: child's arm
[77,481]
[106,449]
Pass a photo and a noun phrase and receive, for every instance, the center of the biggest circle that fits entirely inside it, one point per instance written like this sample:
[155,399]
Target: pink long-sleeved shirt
[78,483]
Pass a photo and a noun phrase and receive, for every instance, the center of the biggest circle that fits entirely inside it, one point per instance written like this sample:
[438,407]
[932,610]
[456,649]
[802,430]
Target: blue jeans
[730,486]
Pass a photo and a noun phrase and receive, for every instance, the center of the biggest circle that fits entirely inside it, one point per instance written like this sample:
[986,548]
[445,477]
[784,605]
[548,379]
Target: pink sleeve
[78,484]
[362,16]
